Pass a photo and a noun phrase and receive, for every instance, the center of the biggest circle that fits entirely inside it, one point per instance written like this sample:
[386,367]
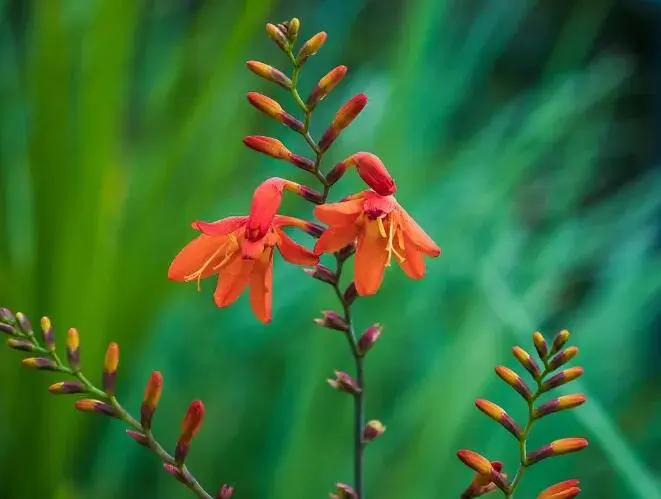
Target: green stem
[359,399]
[523,452]
[189,480]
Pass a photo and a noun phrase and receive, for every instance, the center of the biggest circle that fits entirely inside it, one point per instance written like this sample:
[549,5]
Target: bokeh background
[524,136]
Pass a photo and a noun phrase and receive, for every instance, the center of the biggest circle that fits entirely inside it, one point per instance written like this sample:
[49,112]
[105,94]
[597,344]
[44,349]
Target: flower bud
[527,361]
[373,430]
[140,438]
[559,404]
[322,273]
[540,345]
[562,490]
[310,194]
[336,172]
[269,73]
[344,383]
[189,427]
[96,406]
[271,108]
[67,388]
[369,338]
[267,145]
[277,36]
[350,294]
[21,344]
[73,349]
[24,324]
[332,320]
[310,48]
[151,398]
[499,415]
[40,363]
[346,252]
[559,341]
[292,33]
[557,448]
[48,334]
[343,491]
[110,365]
[515,381]
[562,378]
[373,172]
[343,118]
[325,86]
[7,329]
[226,491]
[7,316]
[482,466]
[563,357]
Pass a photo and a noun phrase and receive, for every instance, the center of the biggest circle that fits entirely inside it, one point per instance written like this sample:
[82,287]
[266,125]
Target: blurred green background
[523,136]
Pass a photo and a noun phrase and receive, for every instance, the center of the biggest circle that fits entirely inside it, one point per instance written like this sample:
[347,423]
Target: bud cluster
[489,476]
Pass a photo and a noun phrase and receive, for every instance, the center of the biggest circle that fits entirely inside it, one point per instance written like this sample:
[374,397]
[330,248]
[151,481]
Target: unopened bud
[540,345]
[325,86]
[96,406]
[559,341]
[350,294]
[174,471]
[73,349]
[271,108]
[40,363]
[277,36]
[562,490]
[140,438]
[189,427]
[269,73]
[332,320]
[369,338]
[322,273]
[527,361]
[515,381]
[373,430]
[7,316]
[67,388]
[563,357]
[562,378]
[151,398]
[373,172]
[24,324]
[310,48]
[344,383]
[499,415]
[21,344]
[110,365]
[48,334]
[343,118]
[557,448]
[292,31]
[559,404]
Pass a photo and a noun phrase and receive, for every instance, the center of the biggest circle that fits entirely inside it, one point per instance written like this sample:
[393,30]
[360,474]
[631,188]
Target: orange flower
[383,229]
[240,249]
[222,248]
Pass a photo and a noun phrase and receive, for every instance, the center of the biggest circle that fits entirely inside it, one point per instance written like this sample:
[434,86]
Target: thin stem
[359,398]
[523,451]
[189,480]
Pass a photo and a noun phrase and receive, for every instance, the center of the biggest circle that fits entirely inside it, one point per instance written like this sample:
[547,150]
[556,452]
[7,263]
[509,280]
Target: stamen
[390,236]
[382,229]
[198,274]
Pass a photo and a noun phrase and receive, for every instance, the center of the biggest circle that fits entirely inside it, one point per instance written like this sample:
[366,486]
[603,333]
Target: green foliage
[122,122]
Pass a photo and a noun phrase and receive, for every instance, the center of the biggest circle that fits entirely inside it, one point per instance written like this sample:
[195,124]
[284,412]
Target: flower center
[389,234]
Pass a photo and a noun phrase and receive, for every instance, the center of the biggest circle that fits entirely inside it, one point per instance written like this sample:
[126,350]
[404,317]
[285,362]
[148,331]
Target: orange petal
[414,263]
[265,203]
[371,258]
[232,280]
[342,213]
[220,227]
[194,256]
[251,250]
[294,252]
[335,238]
[418,236]
[261,287]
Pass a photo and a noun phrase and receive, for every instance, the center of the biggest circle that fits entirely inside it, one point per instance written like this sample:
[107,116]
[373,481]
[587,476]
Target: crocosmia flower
[240,249]
[383,229]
